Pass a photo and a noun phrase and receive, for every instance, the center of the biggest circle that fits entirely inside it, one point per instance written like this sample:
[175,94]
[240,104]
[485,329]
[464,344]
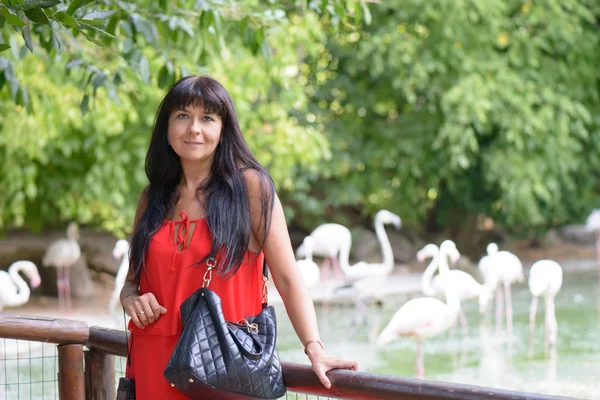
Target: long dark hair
[226,198]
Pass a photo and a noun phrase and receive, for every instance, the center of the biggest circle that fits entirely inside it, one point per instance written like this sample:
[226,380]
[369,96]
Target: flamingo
[545,279]
[63,254]
[308,268]
[506,268]
[484,266]
[332,241]
[14,291]
[362,269]
[425,317]
[465,285]
[120,251]
[366,278]
[592,224]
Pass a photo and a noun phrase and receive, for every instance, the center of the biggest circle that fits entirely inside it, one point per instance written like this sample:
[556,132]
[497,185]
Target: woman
[207,194]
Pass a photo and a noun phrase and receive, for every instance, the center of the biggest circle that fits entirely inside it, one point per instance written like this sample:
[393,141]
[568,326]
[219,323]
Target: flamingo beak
[35,281]
[455,257]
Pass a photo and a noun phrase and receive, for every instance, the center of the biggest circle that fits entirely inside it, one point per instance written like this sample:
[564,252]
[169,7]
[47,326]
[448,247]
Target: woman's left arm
[288,281]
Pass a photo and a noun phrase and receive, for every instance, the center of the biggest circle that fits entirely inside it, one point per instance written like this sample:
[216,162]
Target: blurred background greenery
[444,112]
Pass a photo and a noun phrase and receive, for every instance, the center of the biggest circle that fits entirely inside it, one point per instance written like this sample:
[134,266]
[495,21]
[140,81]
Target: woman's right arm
[143,309]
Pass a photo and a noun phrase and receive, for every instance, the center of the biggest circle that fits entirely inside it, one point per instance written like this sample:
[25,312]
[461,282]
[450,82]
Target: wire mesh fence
[28,370]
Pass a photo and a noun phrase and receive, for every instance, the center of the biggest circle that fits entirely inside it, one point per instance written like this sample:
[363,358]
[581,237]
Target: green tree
[445,110]
[61,164]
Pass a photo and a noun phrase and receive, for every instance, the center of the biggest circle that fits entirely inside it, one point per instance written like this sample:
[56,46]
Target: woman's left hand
[323,362]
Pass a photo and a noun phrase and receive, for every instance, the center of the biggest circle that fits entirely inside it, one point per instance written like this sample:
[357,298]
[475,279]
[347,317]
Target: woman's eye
[208,119]
[182,116]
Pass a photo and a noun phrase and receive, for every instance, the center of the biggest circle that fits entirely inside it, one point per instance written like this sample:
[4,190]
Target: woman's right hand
[143,309]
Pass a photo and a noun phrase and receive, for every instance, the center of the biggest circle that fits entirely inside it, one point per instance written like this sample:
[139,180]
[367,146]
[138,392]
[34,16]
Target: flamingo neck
[309,255]
[23,291]
[124,261]
[428,276]
[452,300]
[386,247]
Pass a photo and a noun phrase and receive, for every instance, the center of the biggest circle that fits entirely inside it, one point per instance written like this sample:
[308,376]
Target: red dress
[171,277]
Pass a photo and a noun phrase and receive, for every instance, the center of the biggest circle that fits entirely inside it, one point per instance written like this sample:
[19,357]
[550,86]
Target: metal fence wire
[28,370]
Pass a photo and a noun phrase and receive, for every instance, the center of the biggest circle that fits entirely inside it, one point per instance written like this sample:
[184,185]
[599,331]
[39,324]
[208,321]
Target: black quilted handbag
[214,358]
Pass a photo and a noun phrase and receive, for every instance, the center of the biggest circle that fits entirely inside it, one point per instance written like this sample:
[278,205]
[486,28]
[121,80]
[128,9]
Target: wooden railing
[90,373]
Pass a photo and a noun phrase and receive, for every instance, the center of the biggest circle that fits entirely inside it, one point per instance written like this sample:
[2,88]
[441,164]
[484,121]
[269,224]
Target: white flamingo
[464,284]
[331,241]
[14,291]
[311,274]
[592,224]
[120,251]
[545,279]
[363,269]
[63,254]
[425,317]
[485,269]
[506,268]
[366,278]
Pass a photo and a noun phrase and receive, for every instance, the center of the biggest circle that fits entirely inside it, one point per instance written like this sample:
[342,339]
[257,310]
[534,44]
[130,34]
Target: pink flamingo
[425,317]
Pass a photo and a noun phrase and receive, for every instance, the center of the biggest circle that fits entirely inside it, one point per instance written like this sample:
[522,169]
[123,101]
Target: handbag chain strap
[211,263]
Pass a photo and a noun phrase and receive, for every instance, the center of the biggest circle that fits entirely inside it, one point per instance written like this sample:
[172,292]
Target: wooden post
[71,381]
[99,376]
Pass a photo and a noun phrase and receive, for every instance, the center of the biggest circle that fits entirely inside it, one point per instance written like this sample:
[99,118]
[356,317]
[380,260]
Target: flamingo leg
[598,249]
[499,308]
[67,278]
[509,310]
[551,326]
[419,363]
[360,310]
[463,320]
[336,267]
[325,269]
[534,303]
[60,284]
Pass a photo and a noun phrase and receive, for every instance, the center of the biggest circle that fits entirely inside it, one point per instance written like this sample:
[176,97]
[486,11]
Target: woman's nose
[196,126]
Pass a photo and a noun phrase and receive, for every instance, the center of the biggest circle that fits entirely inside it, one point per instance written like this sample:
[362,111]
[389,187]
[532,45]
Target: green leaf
[57,42]
[37,15]
[85,104]
[76,4]
[4,46]
[96,29]
[65,19]
[367,12]
[164,77]
[29,4]
[11,18]
[144,69]
[98,15]
[26,33]
[93,39]
[112,25]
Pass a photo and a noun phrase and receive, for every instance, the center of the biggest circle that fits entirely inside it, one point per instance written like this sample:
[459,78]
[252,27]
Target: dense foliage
[441,111]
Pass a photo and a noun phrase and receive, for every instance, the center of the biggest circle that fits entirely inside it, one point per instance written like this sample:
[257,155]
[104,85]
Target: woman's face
[194,133]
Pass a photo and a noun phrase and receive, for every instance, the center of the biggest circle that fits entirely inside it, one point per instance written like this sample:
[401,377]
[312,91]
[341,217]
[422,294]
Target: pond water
[484,355]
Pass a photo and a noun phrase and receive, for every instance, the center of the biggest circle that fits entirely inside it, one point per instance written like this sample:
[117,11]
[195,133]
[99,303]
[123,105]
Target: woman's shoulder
[257,181]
